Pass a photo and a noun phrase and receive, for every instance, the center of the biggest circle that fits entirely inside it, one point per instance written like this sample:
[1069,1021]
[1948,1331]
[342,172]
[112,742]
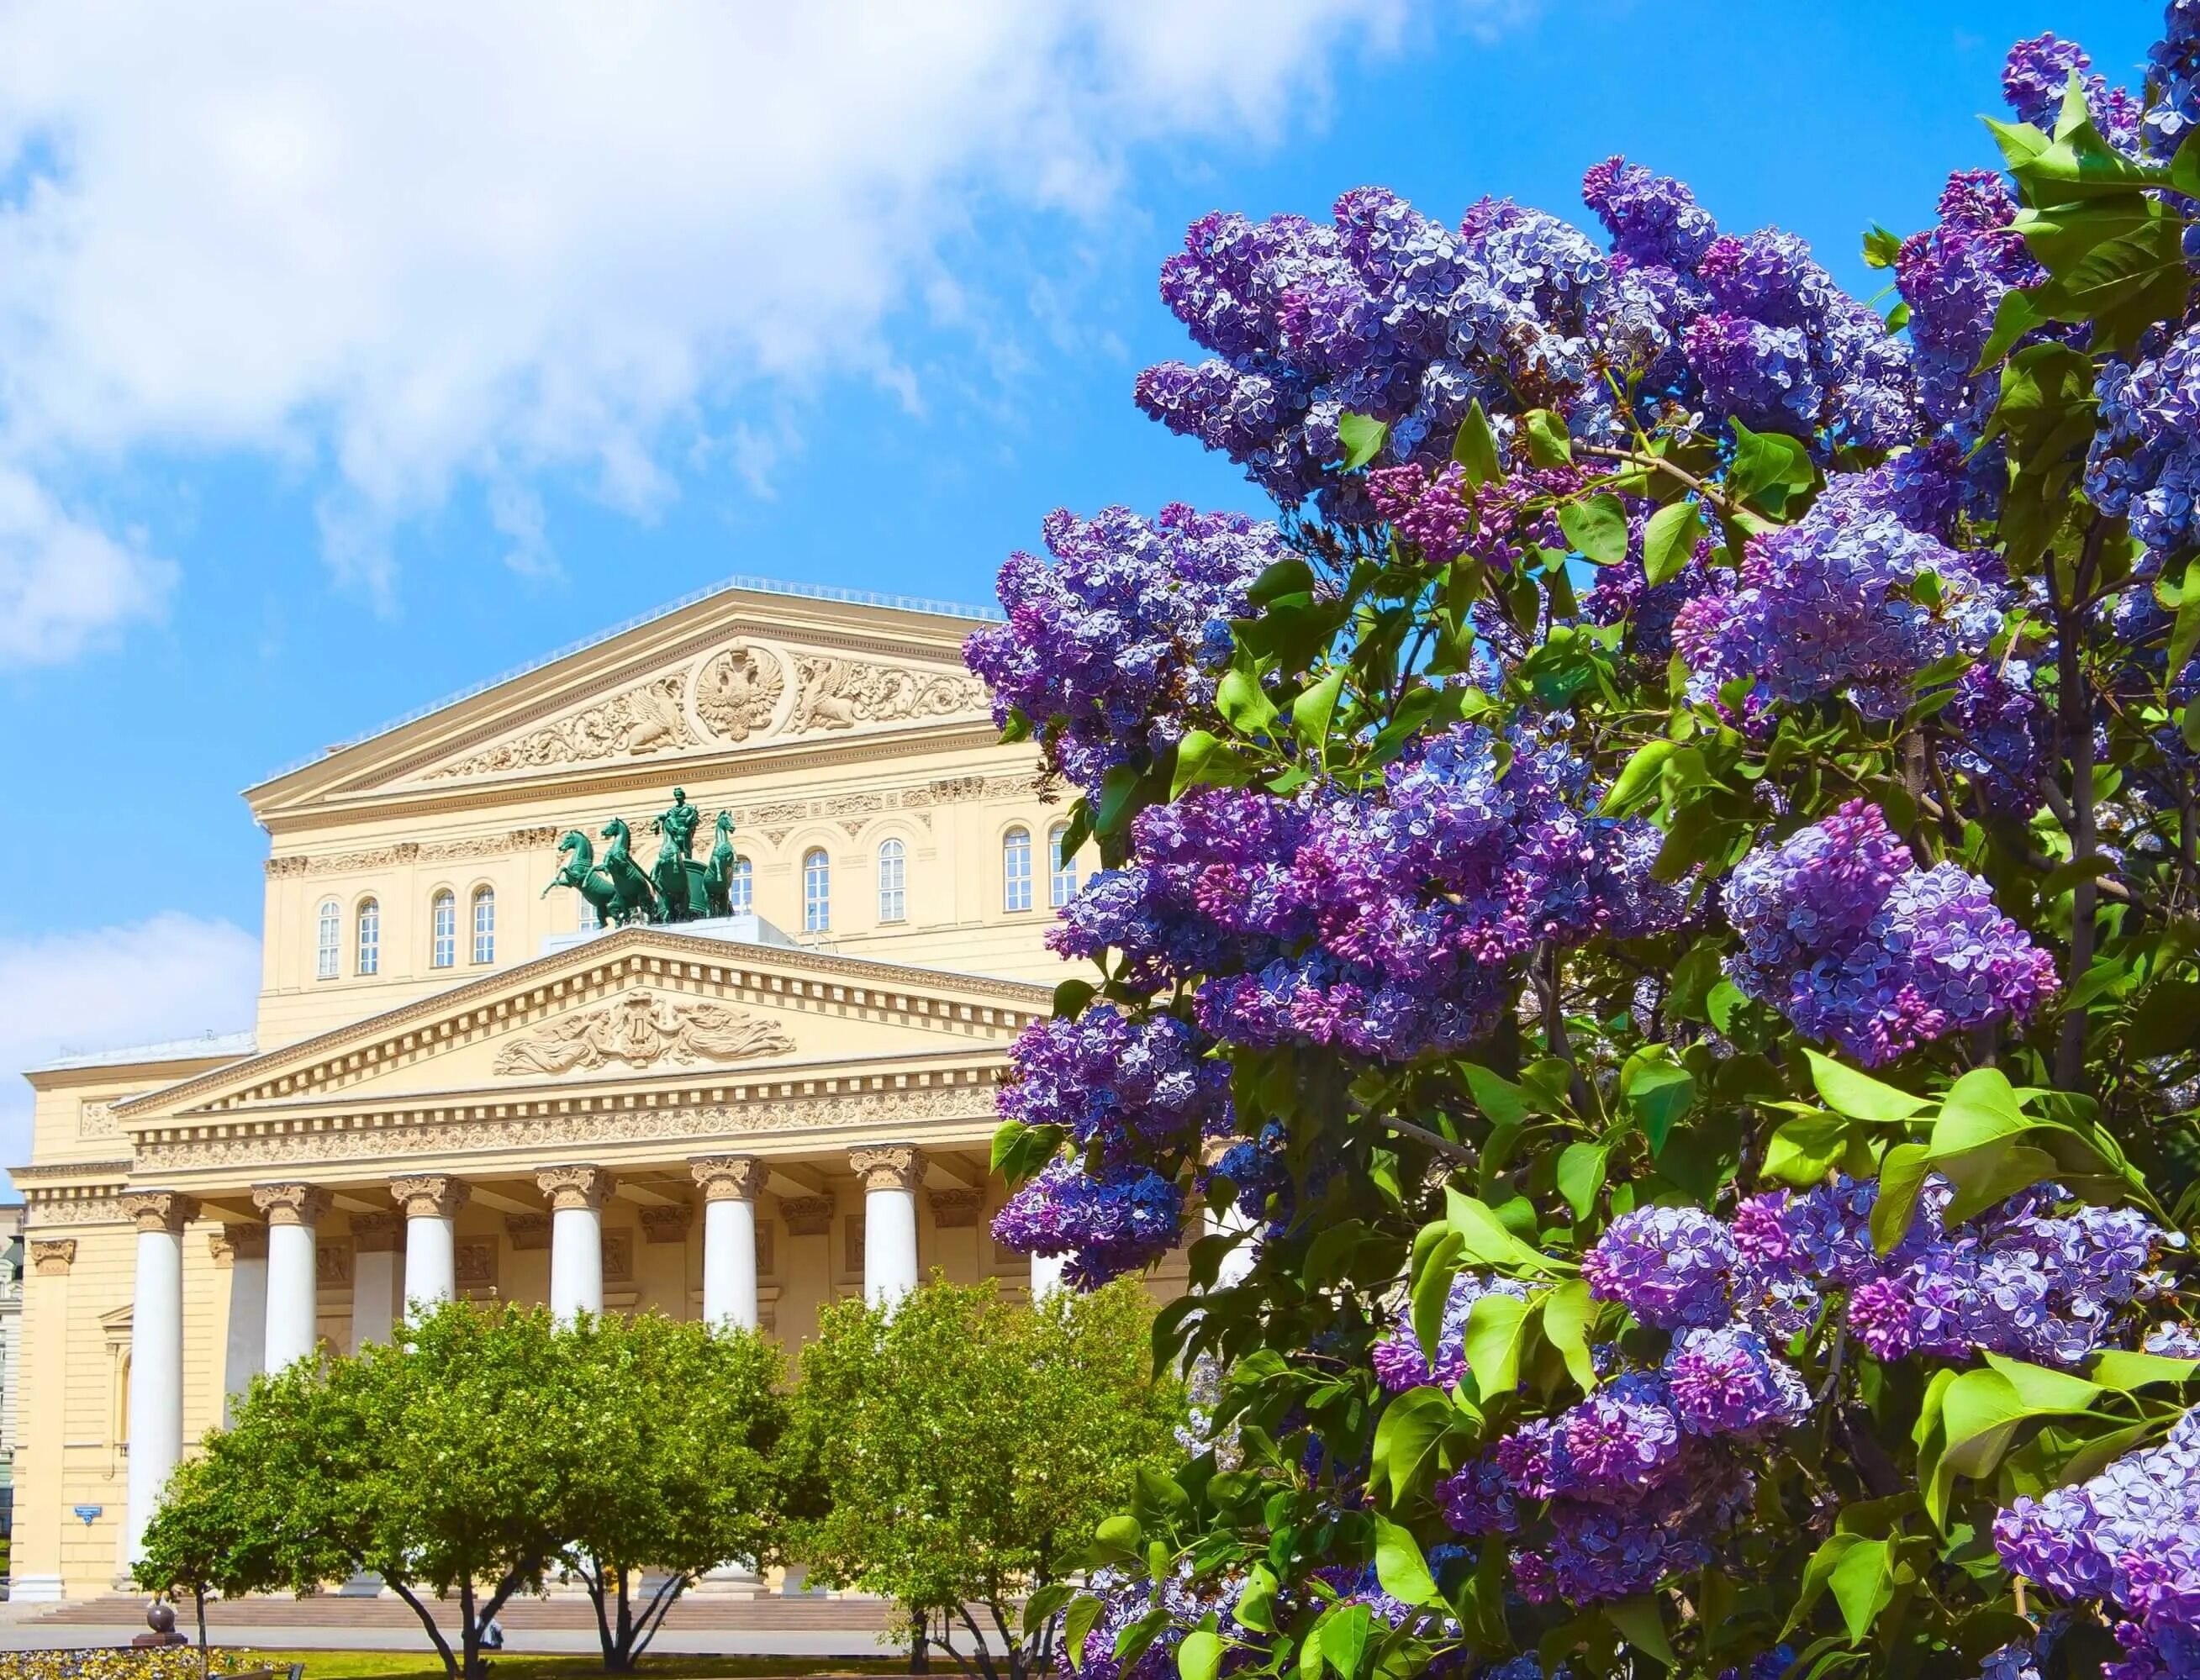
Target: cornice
[602,781]
[784,977]
[70,1172]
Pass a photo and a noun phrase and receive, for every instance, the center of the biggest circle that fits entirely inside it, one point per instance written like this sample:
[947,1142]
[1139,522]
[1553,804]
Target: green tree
[963,1450]
[675,1431]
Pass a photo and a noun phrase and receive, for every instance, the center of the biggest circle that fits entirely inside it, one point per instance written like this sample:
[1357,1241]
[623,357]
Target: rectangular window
[739,891]
[444,950]
[817,894]
[1016,870]
[1061,874]
[370,937]
[328,934]
[484,926]
[893,875]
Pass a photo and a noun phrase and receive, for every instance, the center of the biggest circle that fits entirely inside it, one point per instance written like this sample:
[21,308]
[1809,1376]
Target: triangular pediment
[739,673]
[623,1011]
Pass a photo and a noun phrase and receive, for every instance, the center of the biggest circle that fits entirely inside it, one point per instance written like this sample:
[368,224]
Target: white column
[374,1238]
[1046,1270]
[431,1202]
[293,1281]
[243,1250]
[156,1353]
[731,1184]
[576,1238]
[890,1173]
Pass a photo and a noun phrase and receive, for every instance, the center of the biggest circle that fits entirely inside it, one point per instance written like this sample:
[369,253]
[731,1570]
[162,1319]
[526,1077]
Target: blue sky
[348,359]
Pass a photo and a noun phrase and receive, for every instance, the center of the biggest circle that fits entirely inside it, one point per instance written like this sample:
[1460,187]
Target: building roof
[227,1045]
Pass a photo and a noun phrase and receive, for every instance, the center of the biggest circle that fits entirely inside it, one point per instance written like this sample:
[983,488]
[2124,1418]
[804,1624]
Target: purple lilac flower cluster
[2000,736]
[1118,1220]
[1106,641]
[1855,599]
[1388,313]
[1953,276]
[1442,516]
[1378,923]
[1402,1362]
[2145,463]
[2036,74]
[1127,1087]
[2129,1536]
[1124,1601]
[1858,947]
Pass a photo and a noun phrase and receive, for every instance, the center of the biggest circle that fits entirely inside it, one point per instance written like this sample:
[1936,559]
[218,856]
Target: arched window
[1062,870]
[740,891]
[327,936]
[369,942]
[443,927]
[484,925]
[894,882]
[816,891]
[1015,869]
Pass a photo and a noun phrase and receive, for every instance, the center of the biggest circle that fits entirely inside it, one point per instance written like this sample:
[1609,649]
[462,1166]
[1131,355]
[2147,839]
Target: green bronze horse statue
[633,899]
[578,871]
[718,874]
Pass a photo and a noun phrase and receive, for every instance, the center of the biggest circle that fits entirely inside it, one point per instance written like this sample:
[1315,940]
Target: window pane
[484,926]
[445,916]
[1015,869]
[893,874]
[1061,872]
[326,938]
[740,889]
[816,893]
[370,936]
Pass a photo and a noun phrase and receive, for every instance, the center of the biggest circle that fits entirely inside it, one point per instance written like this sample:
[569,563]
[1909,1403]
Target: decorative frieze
[473,1264]
[835,693]
[574,1186]
[233,1243]
[641,1029]
[94,1117]
[648,718]
[666,1225]
[52,1257]
[618,1255]
[807,1215]
[377,1232]
[887,1166]
[738,689]
[332,1267]
[527,1233]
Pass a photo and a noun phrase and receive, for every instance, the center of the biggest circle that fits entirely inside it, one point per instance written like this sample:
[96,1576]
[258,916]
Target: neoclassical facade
[459,1083]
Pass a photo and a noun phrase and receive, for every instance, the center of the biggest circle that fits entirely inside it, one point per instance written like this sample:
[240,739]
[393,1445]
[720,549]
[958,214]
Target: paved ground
[699,1623]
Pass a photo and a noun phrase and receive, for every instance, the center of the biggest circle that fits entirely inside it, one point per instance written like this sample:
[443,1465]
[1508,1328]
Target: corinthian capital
[429,1195]
[290,1204]
[728,1178]
[575,1186]
[160,1209]
[888,1166]
[52,1257]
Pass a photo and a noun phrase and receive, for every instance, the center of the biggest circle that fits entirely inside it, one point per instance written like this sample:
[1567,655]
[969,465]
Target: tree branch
[427,1620]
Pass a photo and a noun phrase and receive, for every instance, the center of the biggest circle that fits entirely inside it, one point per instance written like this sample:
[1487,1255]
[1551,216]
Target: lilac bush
[1645,941]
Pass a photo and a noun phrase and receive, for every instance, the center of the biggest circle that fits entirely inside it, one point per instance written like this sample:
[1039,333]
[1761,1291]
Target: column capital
[160,1209]
[377,1233]
[430,1195]
[233,1243]
[290,1204]
[668,1224]
[887,1166]
[728,1178]
[52,1257]
[574,1186]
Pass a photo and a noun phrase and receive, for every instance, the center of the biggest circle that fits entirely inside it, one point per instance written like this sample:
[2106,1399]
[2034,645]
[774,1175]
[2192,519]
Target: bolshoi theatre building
[474,1072]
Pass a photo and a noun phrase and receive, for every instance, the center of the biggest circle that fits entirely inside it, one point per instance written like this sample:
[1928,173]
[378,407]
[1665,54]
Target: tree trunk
[198,1601]
[398,1586]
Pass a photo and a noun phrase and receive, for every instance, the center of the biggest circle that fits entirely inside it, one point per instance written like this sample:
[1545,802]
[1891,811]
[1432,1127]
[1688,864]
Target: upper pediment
[637,1006]
[740,671]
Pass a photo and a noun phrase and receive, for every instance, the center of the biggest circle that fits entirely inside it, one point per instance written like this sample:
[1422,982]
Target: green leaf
[1643,1626]
[1071,997]
[1256,1604]
[1658,1095]
[1580,1175]
[1804,1149]
[1549,444]
[1243,703]
[1859,1095]
[1120,1534]
[1722,1002]
[2125,1372]
[1861,1586]
[1880,247]
[1041,1606]
[1020,1150]
[1400,1566]
[1313,710]
[2185,634]
[1597,528]
[1432,1287]
[1475,448]
[1496,1333]
[1568,1312]
[1078,1624]
[1363,438]
[1342,1631]
[1407,1435]
[1496,1096]
[1770,469]
[1200,1656]
[1119,788]
[1484,1238]
[1202,759]
[1670,540]
[1638,778]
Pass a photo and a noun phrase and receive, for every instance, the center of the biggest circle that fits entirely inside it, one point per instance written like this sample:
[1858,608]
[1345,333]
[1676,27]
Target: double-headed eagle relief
[675,888]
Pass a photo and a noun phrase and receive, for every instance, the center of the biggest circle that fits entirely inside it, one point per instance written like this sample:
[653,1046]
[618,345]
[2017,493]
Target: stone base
[36,1590]
[365,1584]
[728,1580]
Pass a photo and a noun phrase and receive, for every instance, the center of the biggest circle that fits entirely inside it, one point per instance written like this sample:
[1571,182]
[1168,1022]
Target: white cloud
[64,582]
[172,976]
[424,242]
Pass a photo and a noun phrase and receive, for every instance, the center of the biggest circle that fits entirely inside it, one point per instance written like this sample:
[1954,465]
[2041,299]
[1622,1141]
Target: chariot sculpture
[675,888]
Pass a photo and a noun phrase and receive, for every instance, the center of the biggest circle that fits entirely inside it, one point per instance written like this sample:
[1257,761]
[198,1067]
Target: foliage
[965,1449]
[1681,689]
[675,1431]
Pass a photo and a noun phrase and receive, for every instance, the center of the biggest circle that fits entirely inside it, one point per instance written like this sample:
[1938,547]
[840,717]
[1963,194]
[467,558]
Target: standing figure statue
[678,880]
[718,875]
